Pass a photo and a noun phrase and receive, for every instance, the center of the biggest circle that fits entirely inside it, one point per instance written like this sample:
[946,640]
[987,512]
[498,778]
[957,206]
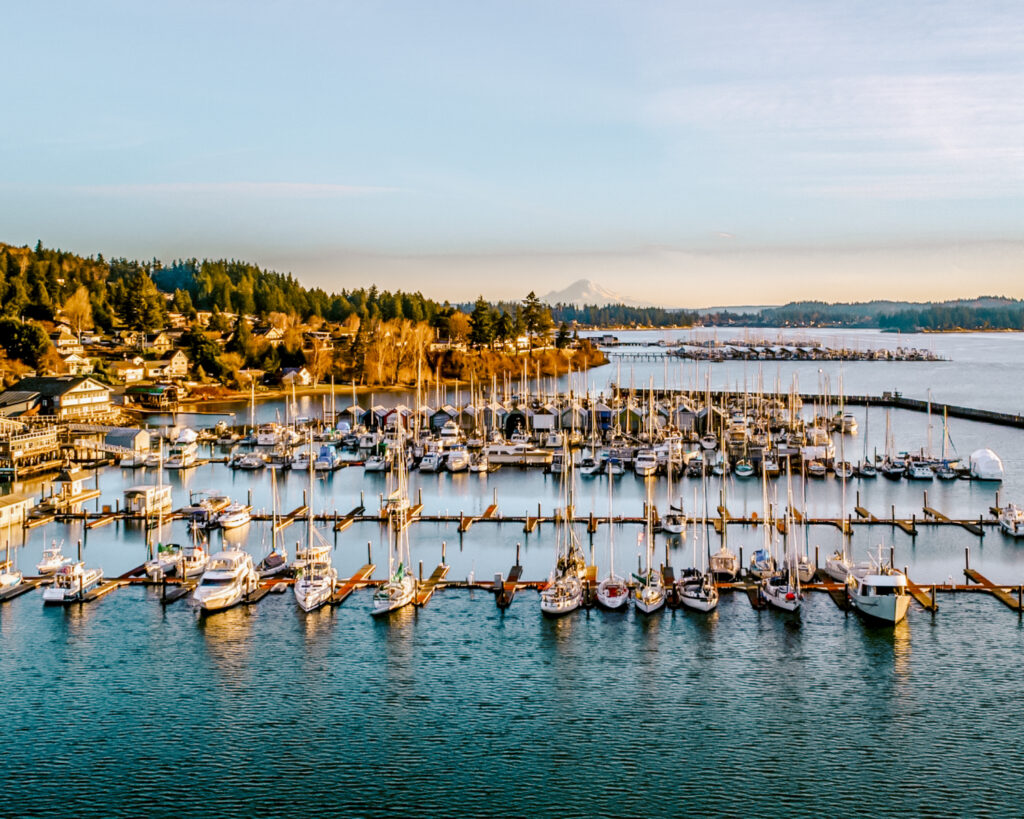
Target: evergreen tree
[481,332]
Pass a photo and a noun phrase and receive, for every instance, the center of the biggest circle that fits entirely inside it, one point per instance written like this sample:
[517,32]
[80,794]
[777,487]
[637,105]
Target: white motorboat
[71,582]
[919,471]
[880,593]
[709,442]
[233,516]
[480,463]
[53,559]
[645,463]
[269,435]
[228,578]
[457,459]
[1011,520]
[449,434]
[432,461]
[591,466]
[165,562]
[553,440]
[251,461]
[182,455]
[743,469]
[379,461]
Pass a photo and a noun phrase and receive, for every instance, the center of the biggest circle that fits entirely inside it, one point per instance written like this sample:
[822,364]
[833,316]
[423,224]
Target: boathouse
[14,509]
[153,396]
[147,500]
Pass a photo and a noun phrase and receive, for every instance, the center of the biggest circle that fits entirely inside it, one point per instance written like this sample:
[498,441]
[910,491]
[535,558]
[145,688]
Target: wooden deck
[507,592]
[999,592]
[427,589]
[970,526]
[354,582]
[924,595]
[291,517]
[23,588]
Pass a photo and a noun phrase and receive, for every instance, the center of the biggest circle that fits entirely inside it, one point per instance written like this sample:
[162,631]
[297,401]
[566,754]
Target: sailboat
[276,562]
[649,595]
[316,579]
[10,578]
[762,562]
[612,592]
[782,589]
[400,588]
[674,521]
[697,589]
[564,593]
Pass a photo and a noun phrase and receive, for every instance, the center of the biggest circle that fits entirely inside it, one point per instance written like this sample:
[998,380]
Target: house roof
[10,397]
[52,386]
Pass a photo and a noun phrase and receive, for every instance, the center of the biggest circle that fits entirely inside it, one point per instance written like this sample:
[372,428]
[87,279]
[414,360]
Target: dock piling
[369,557]
[967,558]
[444,546]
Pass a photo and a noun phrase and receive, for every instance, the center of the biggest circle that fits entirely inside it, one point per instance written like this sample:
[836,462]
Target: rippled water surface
[125,707]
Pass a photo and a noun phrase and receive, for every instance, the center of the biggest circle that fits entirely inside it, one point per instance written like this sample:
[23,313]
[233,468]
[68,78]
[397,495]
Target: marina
[480,559]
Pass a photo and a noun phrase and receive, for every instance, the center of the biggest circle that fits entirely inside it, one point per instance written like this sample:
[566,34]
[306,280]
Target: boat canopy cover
[986,465]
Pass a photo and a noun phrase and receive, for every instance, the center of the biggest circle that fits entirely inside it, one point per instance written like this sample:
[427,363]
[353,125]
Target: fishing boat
[612,591]
[203,508]
[380,461]
[228,578]
[72,582]
[53,559]
[880,593]
[399,589]
[1011,520]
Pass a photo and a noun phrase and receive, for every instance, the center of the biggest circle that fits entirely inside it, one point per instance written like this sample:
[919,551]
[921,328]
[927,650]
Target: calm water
[126,708]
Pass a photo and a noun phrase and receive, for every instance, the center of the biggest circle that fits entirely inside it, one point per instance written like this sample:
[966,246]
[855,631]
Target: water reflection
[227,638]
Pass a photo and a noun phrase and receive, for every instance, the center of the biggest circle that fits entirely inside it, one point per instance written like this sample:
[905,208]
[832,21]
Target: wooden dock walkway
[531,522]
[427,589]
[42,520]
[102,590]
[925,598]
[291,517]
[999,592]
[354,582]
[343,523]
[103,520]
[970,526]
[23,588]
[507,591]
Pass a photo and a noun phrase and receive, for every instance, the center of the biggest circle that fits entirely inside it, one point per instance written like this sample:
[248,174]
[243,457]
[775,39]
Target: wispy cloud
[295,190]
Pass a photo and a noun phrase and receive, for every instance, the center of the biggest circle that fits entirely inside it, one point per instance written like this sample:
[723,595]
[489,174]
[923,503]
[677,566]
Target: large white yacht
[229,576]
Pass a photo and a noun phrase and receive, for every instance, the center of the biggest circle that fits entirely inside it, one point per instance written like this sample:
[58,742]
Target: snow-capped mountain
[584,292]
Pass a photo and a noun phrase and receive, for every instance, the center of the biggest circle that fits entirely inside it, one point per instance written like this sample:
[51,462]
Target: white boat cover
[986,466]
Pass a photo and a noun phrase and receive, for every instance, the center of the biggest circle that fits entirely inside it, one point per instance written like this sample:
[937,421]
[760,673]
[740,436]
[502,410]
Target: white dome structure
[986,466]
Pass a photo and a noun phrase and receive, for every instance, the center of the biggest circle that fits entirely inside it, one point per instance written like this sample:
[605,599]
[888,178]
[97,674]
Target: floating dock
[354,582]
[426,590]
[999,592]
[507,591]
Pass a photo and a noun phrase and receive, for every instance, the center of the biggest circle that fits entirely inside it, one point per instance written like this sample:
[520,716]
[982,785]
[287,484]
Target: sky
[678,153]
